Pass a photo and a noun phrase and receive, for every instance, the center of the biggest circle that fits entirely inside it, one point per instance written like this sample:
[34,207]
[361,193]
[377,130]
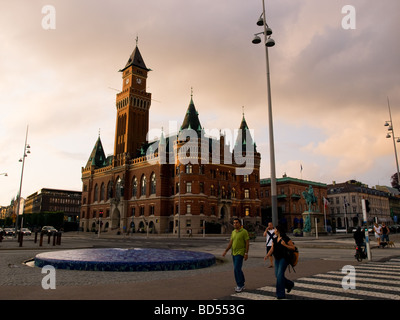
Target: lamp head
[388,136]
[256,39]
[260,21]
[270,42]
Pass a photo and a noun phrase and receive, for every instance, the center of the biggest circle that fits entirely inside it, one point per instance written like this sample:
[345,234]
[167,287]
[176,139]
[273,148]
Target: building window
[153,184]
[152,210]
[96,192]
[102,192]
[233,193]
[246,178]
[247,211]
[109,190]
[212,190]
[143,186]
[188,187]
[188,209]
[142,211]
[189,168]
[246,193]
[134,187]
[201,187]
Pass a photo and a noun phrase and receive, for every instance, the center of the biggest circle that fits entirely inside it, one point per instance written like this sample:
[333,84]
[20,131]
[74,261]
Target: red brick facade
[135,187]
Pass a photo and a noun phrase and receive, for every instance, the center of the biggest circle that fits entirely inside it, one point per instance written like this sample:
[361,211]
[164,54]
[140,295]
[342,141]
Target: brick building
[291,203]
[173,184]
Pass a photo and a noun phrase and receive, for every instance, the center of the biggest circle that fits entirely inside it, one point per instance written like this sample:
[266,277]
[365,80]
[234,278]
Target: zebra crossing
[372,281]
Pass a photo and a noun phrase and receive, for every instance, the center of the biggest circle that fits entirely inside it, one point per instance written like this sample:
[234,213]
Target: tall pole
[20,183]
[274,199]
[394,144]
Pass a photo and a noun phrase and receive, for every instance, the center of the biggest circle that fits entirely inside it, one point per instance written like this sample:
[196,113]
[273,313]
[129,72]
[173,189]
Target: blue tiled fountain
[132,259]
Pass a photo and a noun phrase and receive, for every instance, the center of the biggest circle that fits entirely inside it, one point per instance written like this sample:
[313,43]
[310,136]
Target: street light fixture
[389,135]
[269,42]
[26,152]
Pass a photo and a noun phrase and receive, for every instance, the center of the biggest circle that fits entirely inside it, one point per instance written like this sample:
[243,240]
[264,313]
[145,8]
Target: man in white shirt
[270,234]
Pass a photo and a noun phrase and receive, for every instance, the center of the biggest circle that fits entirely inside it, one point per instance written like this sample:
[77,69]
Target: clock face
[138,80]
[127,81]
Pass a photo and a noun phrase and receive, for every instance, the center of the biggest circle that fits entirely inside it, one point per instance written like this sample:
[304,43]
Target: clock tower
[133,105]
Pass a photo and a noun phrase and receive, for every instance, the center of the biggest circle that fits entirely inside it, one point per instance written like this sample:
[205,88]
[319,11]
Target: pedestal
[320,223]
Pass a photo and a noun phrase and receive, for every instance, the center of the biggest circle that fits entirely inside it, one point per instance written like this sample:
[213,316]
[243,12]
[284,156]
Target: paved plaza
[21,280]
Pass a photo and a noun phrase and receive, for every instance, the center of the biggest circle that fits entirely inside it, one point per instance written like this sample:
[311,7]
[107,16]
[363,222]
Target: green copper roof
[97,157]
[191,120]
[241,138]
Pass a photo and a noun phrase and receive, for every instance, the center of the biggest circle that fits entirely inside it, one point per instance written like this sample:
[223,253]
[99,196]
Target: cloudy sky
[329,84]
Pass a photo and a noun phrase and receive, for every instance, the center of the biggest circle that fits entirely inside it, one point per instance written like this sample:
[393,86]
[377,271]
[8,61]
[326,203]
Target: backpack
[292,257]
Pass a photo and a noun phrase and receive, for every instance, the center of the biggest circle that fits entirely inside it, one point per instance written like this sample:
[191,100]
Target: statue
[309,196]
[307,224]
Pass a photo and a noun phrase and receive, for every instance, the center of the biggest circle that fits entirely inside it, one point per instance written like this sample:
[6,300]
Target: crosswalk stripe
[357,283]
[330,276]
[253,296]
[348,291]
[298,293]
[373,280]
[389,276]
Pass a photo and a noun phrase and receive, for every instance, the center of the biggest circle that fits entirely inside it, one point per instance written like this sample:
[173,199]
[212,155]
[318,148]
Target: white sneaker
[239,289]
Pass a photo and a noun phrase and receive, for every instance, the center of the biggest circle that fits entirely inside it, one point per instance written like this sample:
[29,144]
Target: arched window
[143,186]
[102,192]
[134,187]
[96,192]
[153,183]
[109,190]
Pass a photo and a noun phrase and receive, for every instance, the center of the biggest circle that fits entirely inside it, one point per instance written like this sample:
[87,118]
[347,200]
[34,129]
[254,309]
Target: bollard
[59,239]
[54,238]
[48,237]
[21,238]
[41,239]
[36,236]
[1,237]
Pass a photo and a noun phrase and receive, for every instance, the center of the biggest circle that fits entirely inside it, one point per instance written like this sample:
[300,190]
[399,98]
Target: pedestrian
[240,249]
[270,234]
[279,248]
[385,233]
[378,232]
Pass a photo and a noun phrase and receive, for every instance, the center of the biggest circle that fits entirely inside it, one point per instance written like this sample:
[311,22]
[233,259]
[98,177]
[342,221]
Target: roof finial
[137,39]
[191,92]
[243,110]
[99,132]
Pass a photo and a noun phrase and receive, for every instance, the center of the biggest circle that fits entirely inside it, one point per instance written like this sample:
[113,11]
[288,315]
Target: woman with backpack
[281,243]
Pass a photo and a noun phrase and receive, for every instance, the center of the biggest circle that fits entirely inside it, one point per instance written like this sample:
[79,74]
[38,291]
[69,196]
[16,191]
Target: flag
[301,167]
[326,202]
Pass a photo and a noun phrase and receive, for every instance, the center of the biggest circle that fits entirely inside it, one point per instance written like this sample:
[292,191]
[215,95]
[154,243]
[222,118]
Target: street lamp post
[26,151]
[269,42]
[394,141]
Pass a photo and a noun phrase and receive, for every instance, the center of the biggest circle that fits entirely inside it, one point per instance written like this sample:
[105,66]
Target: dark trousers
[281,282]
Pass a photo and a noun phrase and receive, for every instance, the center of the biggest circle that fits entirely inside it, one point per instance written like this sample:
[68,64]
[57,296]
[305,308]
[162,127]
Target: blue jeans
[281,282]
[237,269]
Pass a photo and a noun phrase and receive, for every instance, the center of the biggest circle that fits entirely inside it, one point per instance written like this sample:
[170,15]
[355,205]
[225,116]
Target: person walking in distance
[280,245]
[270,234]
[240,249]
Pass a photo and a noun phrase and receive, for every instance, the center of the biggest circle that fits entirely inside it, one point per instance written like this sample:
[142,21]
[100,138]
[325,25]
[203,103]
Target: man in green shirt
[240,248]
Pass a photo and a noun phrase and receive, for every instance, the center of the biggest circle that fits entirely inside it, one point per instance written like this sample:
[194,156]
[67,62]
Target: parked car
[49,229]
[9,231]
[26,232]
[394,228]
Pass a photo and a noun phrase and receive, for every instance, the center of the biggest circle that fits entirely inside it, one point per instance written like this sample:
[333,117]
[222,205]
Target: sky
[330,84]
